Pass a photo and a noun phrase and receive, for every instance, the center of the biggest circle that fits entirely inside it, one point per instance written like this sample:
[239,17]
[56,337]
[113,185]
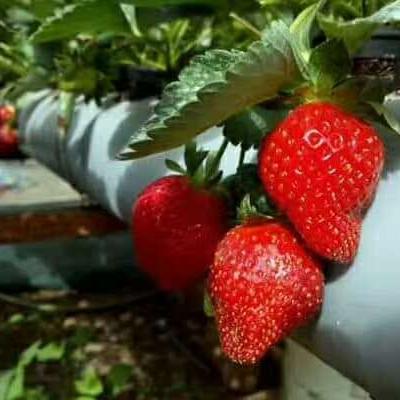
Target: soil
[171,346]
[35,227]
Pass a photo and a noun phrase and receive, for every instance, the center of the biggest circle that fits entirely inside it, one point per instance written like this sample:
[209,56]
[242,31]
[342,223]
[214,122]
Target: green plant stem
[219,155]
[241,157]
[246,24]
[221,150]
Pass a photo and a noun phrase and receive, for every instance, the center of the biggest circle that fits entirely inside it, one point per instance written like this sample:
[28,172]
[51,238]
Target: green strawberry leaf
[329,64]
[387,116]
[212,88]
[89,383]
[42,9]
[301,35]
[112,16]
[355,92]
[105,16]
[250,126]
[245,188]
[53,351]
[355,32]
[29,355]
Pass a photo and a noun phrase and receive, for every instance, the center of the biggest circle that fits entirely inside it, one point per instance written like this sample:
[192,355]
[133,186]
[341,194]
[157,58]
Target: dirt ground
[169,343]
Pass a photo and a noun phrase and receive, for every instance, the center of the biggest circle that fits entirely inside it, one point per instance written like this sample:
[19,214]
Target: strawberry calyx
[248,198]
[249,212]
[201,167]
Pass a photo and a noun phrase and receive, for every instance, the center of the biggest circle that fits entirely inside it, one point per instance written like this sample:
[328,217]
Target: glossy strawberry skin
[7,114]
[8,142]
[321,166]
[176,229]
[263,285]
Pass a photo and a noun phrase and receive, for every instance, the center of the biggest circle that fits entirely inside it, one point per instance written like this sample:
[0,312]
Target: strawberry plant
[53,44]
[179,220]
[291,97]
[277,77]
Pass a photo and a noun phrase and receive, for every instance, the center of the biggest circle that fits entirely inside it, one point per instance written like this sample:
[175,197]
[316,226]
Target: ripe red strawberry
[321,166]
[8,141]
[176,229]
[263,285]
[7,114]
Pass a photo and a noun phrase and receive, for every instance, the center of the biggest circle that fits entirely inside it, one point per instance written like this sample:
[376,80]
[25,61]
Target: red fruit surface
[8,142]
[7,114]
[263,285]
[321,166]
[176,229]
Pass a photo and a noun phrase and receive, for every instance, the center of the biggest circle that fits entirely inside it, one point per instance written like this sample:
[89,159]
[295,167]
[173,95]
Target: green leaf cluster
[214,87]
[356,31]
[83,47]
[235,89]
[87,384]
[12,382]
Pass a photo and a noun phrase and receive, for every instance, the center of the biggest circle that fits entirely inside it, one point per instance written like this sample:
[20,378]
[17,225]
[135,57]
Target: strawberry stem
[246,24]
[241,157]
[220,153]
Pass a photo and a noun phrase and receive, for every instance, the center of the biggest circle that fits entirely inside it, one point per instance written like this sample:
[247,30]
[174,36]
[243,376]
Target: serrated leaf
[89,384]
[329,64]
[388,116]
[105,16]
[212,88]
[355,32]
[250,126]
